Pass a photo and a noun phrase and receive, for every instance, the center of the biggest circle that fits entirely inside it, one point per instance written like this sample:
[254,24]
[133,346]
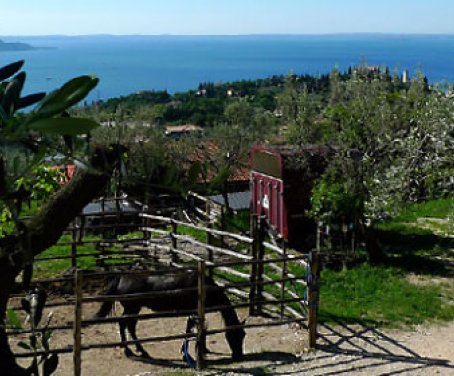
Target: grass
[192,232]
[380,295]
[51,268]
[383,294]
[440,208]
[239,222]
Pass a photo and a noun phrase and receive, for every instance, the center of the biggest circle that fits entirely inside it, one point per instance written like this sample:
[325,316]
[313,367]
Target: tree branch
[46,227]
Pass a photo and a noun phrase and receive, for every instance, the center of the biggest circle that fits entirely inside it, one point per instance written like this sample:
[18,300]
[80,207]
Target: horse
[179,293]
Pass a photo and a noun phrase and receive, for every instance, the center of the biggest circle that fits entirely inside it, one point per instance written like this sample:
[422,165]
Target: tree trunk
[42,231]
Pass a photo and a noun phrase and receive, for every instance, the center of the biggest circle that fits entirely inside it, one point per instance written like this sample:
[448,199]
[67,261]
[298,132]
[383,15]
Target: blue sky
[214,17]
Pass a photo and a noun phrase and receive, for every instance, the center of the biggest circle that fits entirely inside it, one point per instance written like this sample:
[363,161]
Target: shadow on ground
[225,364]
[422,253]
[348,349]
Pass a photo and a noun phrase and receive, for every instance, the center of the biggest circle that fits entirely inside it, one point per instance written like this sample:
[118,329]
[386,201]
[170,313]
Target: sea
[128,64]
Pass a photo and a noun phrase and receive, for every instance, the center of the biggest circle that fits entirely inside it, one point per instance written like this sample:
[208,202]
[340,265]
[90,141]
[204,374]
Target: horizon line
[346,33]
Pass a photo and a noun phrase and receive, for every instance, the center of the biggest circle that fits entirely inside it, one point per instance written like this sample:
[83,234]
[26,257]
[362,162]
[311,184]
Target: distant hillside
[15,46]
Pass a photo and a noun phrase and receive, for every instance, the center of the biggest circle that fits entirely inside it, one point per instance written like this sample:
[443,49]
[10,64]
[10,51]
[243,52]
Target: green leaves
[12,320]
[8,70]
[10,97]
[64,126]
[29,100]
[68,95]
[56,103]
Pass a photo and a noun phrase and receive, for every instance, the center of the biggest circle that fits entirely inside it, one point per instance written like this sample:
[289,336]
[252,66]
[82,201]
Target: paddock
[268,285]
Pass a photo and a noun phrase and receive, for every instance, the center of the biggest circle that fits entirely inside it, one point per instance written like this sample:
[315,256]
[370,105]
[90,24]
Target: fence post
[260,266]
[207,211]
[201,333]
[77,329]
[284,276]
[313,298]
[145,223]
[174,239]
[253,275]
[74,245]
[210,251]
[318,236]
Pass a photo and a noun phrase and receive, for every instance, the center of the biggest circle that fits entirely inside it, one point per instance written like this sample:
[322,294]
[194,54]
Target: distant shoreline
[21,46]
[127,64]
[15,46]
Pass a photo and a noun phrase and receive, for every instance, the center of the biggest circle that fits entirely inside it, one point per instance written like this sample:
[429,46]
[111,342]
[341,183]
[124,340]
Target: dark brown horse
[179,293]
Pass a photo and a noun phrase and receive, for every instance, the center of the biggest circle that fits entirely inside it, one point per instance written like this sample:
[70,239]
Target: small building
[177,131]
[406,76]
[282,178]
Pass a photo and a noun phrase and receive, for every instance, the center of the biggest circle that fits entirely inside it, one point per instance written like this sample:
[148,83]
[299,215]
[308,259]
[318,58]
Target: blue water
[127,64]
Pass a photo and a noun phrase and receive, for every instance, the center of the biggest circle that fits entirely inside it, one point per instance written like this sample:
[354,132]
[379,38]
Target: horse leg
[190,324]
[122,324]
[132,324]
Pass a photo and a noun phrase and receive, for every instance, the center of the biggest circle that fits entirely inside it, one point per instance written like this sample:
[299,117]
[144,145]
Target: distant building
[208,153]
[178,131]
[405,76]
[367,69]
[126,124]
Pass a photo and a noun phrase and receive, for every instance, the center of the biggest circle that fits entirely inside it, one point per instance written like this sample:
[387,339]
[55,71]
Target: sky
[225,17]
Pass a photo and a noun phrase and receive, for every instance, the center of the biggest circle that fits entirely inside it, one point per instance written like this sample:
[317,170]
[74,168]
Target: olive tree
[27,134]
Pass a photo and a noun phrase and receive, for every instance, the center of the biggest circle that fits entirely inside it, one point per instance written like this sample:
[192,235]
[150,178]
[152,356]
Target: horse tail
[106,307]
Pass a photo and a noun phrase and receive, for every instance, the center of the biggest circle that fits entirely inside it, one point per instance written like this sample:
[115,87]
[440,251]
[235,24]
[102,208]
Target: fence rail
[263,276]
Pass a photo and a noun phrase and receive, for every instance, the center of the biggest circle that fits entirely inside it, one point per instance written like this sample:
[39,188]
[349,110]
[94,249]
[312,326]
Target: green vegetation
[205,106]
[373,120]
[392,169]
[381,296]
[51,268]
[401,290]
[412,285]
[441,208]
[193,232]
[26,140]
[239,222]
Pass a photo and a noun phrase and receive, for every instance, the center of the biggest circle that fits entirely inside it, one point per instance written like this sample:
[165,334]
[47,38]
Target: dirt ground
[280,350]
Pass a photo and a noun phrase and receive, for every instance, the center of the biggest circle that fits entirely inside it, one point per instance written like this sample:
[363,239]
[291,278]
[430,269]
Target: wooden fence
[259,276]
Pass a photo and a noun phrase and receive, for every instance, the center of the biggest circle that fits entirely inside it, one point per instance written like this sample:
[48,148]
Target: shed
[237,200]
[282,178]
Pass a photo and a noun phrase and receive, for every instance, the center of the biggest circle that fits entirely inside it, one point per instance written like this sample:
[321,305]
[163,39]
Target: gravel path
[357,350]
[343,350]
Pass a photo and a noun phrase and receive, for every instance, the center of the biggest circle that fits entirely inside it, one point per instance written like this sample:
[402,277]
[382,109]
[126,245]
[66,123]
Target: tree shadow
[347,347]
[342,348]
[419,253]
